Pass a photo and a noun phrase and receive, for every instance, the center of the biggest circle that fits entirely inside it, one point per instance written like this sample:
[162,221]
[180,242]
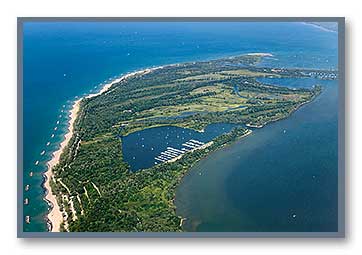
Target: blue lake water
[141,148]
[63,60]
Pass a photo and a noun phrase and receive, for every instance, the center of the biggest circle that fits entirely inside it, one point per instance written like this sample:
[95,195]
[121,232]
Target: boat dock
[173,154]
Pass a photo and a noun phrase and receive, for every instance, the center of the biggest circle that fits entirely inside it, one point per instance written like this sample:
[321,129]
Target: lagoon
[140,148]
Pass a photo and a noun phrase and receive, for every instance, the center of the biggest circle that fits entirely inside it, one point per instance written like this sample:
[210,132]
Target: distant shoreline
[260,54]
[320,27]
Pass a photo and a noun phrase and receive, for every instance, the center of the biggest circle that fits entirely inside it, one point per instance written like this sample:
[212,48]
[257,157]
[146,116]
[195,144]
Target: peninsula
[90,185]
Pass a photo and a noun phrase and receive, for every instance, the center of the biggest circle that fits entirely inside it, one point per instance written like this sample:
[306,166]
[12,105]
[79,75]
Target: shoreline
[54,216]
[260,54]
[187,216]
[281,118]
[183,218]
[320,27]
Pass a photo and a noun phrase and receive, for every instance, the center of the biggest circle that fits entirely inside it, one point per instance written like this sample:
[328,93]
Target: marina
[149,147]
[173,154]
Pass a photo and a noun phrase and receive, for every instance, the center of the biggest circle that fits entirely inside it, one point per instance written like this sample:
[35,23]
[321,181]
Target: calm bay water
[63,60]
[283,177]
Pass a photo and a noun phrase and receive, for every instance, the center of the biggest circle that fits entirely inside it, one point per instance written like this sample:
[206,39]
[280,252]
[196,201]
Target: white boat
[176,150]
[188,145]
[172,153]
[159,159]
[193,144]
[166,154]
[195,141]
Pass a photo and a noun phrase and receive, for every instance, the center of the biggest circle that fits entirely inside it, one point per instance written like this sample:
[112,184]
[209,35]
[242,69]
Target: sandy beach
[55,216]
[260,54]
